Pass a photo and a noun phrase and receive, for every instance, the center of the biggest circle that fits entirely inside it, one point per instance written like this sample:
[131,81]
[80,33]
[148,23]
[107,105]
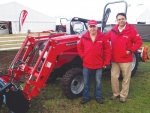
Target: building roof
[11,12]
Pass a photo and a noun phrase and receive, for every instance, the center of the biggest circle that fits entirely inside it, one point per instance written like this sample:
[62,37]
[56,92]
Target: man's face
[121,20]
[92,29]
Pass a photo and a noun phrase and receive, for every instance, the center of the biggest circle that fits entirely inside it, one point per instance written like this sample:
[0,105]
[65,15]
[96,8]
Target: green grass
[51,99]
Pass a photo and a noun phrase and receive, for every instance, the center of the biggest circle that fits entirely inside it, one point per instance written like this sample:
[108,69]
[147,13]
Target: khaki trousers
[126,73]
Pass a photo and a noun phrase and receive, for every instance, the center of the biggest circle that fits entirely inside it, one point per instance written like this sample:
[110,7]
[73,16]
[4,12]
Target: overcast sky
[90,9]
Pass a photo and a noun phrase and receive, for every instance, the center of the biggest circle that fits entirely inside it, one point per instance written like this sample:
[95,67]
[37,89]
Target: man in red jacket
[125,40]
[94,49]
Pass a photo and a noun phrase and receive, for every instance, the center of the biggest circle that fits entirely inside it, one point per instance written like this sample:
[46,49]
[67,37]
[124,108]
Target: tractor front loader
[26,68]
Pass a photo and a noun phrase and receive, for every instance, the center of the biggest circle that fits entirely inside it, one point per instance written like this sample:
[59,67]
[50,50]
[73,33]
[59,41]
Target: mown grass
[51,99]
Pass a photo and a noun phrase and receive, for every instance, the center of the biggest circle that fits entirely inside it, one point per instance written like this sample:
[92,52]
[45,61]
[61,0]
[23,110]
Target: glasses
[121,19]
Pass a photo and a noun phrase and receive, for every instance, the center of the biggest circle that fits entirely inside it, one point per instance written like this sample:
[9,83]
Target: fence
[14,41]
[11,42]
[144,31]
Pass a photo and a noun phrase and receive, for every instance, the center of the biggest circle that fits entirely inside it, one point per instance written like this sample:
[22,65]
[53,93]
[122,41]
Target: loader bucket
[1,94]
[1,100]
[16,101]
[13,98]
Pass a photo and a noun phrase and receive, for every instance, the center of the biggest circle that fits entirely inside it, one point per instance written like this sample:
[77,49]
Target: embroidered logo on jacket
[125,36]
[99,41]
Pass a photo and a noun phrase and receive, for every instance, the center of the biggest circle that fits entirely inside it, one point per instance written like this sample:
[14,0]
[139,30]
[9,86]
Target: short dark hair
[122,14]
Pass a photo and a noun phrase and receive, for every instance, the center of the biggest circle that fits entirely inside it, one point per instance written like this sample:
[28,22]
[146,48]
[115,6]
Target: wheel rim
[134,62]
[77,84]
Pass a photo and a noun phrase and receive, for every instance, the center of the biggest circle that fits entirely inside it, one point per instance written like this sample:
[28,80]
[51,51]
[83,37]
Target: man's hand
[128,52]
[104,67]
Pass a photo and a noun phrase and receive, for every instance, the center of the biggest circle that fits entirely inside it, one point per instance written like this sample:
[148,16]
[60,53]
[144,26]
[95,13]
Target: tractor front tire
[72,83]
[52,78]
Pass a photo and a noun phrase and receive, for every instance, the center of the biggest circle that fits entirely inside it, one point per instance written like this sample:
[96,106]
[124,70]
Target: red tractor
[42,59]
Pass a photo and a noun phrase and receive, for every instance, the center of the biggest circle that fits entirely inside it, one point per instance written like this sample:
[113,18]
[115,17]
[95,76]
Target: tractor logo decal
[72,43]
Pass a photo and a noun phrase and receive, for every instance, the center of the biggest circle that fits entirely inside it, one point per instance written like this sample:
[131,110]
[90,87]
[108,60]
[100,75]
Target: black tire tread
[136,65]
[66,82]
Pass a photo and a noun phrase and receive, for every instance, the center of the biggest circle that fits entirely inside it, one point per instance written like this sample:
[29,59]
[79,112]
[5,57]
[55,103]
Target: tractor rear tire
[134,63]
[72,83]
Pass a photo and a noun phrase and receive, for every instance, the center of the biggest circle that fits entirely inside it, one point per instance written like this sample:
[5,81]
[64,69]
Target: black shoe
[99,100]
[84,100]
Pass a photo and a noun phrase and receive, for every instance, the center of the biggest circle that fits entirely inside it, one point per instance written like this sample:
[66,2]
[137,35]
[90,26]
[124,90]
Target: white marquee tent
[144,17]
[35,21]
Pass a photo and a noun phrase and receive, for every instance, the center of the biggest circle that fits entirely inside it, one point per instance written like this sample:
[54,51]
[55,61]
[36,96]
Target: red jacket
[94,54]
[128,39]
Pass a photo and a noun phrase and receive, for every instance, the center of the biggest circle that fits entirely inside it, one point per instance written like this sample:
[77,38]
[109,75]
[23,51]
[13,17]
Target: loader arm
[26,65]
[58,46]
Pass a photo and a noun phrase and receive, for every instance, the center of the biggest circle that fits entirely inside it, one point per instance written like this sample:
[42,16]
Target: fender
[143,54]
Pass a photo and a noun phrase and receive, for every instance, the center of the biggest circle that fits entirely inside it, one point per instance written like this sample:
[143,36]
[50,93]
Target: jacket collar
[126,27]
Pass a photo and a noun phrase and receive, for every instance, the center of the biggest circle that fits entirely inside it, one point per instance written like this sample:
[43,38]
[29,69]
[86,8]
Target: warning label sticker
[48,64]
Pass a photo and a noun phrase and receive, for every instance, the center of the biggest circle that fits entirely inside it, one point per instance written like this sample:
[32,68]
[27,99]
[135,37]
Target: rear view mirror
[63,21]
[78,27]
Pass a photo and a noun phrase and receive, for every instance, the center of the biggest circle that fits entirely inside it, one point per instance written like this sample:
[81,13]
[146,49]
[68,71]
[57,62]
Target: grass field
[51,99]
